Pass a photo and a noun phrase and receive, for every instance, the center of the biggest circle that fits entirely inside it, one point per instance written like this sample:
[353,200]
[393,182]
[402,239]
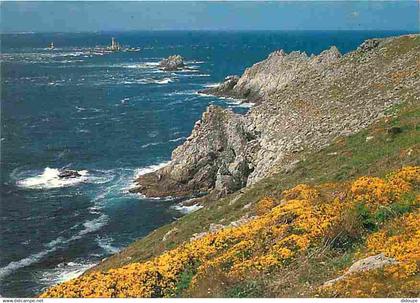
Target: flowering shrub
[262,245]
[375,191]
[265,205]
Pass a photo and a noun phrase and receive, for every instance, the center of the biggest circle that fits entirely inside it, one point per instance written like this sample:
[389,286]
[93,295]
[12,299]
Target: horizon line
[209,30]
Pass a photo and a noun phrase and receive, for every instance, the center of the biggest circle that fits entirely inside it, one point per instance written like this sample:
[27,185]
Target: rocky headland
[302,104]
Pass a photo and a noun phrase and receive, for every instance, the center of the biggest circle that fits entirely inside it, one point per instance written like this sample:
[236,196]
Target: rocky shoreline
[302,102]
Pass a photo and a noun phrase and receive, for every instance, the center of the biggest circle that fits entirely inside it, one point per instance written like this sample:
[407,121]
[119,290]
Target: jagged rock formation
[214,156]
[303,104]
[272,74]
[172,63]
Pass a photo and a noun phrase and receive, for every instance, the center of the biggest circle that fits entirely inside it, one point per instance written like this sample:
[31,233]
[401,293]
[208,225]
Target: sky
[84,16]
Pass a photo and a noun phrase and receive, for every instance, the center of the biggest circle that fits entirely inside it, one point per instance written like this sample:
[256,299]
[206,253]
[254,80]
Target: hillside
[305,222]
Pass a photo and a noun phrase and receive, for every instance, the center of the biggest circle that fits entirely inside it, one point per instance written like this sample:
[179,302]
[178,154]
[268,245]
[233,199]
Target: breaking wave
[49,178]
[151,168]
[64,272]
[89,227]
[178,139]
[106,245]
[186,209]
[13,266]
[94,225]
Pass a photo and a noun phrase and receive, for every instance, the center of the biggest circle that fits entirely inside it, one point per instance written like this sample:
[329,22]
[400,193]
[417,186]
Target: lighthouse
[115,46]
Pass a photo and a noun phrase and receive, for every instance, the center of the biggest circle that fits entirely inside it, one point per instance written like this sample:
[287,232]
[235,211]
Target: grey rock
[223,89]
[369,263]
[68,174]
[369,45]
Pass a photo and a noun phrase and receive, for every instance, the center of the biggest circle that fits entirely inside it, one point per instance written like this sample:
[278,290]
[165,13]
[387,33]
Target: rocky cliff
[272,74]
[302,104]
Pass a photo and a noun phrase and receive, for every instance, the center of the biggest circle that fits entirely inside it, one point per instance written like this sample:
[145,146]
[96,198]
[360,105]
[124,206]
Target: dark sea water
[111,117]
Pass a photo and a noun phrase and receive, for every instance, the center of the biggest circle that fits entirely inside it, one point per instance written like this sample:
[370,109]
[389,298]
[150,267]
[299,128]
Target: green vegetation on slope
[387,145]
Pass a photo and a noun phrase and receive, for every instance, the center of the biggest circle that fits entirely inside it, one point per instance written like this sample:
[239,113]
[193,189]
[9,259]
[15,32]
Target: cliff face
[303,103]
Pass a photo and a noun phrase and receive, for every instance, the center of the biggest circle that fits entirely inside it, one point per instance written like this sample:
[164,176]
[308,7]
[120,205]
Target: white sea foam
[151,63]
[13,266]
[164,81]
[238,102]
[124,100]
[89,227]
[50,179]
[186,209]
[153,133]
[178,139]
[101,176]
[94,225]
[203,95]
[64,272]
[147,81]
[199,75]
[194,62]
[55,242]
[185,71]
[182,93]
[83,131]
[245,105]
[151,144]
[212,85]
[142,65]
[106,245]
[151,168]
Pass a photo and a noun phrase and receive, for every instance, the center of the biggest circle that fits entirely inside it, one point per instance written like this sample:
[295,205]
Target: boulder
[369,263]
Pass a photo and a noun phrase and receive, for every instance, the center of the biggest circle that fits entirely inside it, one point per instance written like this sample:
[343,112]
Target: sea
[111,117]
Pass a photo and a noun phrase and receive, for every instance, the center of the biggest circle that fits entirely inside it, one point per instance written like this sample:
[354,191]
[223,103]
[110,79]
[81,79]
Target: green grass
[395,209]
[247,289]
[185,280]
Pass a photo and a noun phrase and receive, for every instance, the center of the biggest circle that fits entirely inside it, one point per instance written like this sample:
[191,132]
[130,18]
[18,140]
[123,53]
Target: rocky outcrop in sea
[302,102]
[172,63]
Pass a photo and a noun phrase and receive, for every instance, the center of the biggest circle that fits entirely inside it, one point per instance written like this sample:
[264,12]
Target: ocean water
[111,117]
